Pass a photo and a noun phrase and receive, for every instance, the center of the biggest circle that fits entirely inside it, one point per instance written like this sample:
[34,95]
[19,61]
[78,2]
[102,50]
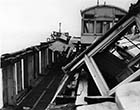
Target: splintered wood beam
[77,64]
[97,76]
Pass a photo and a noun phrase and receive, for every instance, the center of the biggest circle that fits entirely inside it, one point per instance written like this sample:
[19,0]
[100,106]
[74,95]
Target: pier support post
[42,61]
[55,56]
[25,65]
[46,60]
[5,85]
[31,69]
[50,56]
[9,85]
[36,65]
[19,76]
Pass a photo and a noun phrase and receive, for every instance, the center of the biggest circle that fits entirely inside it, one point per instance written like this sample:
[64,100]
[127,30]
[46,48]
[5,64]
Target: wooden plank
[99,106]
[96,75]
[82,92]
[77,64]
[99,99]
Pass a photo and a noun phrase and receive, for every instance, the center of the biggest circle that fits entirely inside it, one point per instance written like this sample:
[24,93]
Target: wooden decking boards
[40,96]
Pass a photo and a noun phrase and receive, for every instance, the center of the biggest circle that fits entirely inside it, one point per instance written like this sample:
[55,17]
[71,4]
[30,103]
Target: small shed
[97,20]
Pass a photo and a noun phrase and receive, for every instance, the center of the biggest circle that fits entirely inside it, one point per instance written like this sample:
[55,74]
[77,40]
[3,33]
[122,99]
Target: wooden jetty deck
[32,76]
[50,73]
[41,96]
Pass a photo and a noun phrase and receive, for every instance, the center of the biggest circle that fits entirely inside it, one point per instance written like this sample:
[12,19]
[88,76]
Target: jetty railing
[22,70]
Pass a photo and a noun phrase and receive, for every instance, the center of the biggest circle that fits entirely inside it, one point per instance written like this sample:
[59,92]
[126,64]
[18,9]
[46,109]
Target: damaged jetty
[98,71]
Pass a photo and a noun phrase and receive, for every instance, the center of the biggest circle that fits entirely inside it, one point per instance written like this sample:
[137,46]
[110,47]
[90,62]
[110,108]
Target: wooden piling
[50,56]
[36,65]
[55,56]
[9,85]
[30,69]
[46,60]
[5,86]
[42,61]
[19,76]
[47,56]
[25,68]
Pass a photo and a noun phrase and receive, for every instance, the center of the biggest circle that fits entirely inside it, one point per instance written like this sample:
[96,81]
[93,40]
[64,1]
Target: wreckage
[69,74]
[111,61]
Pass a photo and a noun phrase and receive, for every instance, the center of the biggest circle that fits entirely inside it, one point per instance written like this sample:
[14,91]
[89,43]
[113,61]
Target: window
[88,26]
[99,27]
[107,26]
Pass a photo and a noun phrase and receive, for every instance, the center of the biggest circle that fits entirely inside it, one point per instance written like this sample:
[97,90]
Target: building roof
[102,6]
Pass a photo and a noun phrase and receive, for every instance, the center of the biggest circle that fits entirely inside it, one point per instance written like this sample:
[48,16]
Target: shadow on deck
[41,95]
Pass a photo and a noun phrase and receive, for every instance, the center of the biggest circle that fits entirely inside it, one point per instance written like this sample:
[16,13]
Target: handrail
[9,58]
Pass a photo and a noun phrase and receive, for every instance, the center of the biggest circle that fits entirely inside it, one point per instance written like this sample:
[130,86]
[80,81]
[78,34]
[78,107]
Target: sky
[25,23]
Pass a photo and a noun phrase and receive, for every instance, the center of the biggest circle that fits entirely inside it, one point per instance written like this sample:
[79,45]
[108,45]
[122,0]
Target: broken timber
[33,79]
[91,56]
